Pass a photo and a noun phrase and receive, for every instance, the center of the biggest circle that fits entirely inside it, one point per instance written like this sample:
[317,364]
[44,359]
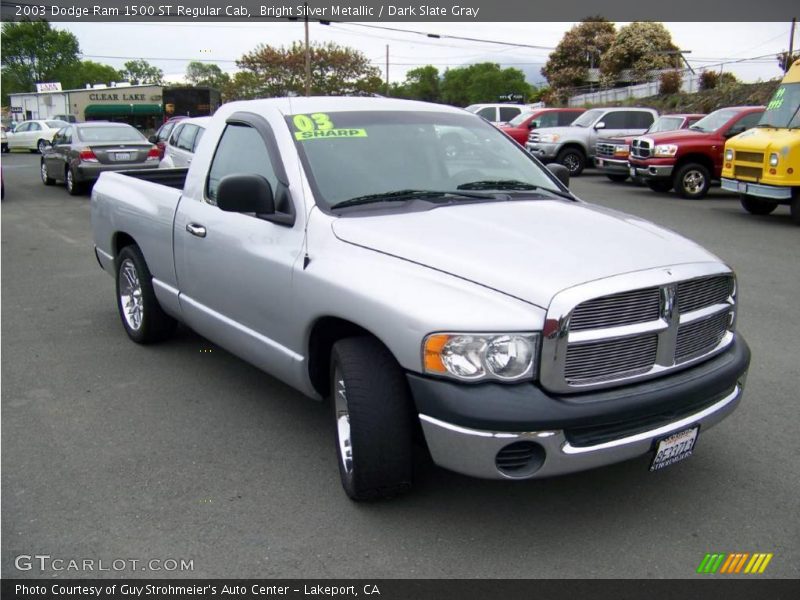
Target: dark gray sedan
[81,151]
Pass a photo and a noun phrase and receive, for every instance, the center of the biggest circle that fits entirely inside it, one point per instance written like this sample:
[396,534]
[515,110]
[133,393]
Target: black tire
[794,208]
[617,178]
[46,179]
[757,206]
[692,181]
[572,158]
[142,316]
[372,410]
[5,149]
[41,146]
[74,188]
[659,185]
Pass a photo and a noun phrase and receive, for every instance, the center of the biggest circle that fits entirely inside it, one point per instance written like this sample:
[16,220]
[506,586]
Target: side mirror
[533,125]
[733,131]
[246,194]
[152,139]
[561,172]
[600,125]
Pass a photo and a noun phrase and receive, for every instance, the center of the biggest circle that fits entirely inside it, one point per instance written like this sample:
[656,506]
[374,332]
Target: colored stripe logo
[735,562]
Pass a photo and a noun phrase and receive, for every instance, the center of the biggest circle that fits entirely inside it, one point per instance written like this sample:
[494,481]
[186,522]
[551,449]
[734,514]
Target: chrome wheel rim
[571,162]
[42,147]
[343,423]
[44,172]
[130,294]
[693,182]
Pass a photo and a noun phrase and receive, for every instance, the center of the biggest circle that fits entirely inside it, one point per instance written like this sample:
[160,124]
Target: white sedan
[34,135]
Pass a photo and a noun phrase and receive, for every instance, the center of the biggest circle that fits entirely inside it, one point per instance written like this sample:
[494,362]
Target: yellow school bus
[763,164]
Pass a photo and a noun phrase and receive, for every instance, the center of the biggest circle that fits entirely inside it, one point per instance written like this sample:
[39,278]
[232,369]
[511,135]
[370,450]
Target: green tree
[88,71]
[641,47]
[579,50]
[335,70]
[422,84]
[35,52]
[141,72]
[203,74]
[482,82]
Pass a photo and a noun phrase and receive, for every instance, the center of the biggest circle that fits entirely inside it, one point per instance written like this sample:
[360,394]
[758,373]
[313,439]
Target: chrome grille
[699,337]
[754,157]
[533,137]
[636,326]
[751,172]
[601,361]
[636,306]
[605,149]
[640,148]
[697,293]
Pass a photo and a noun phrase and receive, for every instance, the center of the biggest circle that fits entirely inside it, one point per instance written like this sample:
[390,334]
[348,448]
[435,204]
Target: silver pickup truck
[426,274]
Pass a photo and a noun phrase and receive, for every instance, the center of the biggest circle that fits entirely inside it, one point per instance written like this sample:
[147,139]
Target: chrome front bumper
[761,190]
[472,452]
[653,171]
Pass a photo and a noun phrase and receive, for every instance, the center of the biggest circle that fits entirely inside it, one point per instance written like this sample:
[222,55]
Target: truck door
[234,270]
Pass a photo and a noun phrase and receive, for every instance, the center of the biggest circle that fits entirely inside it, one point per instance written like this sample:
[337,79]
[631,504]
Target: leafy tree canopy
[579,50]
[142,72]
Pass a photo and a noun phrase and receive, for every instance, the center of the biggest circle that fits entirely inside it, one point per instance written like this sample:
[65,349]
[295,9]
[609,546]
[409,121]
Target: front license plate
[742,187]
[674,448]
[121,156]
[633,172]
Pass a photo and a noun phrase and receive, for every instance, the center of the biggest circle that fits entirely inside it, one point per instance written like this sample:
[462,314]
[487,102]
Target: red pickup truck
[690,159]
[520,127]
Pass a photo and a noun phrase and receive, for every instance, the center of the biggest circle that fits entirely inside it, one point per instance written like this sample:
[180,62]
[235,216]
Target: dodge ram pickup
[430,277]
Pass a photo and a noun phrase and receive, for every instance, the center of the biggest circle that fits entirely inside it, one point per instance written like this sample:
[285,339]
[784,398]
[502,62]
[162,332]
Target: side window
[566,118]
[641,120]
[549,119]
[745,123]
[615,120]
[508,112]
[22,128]
[66,135]
[186,137]
[241,150]
[34,127]
[197,138]
[163,133]
[173,139]
[487,112]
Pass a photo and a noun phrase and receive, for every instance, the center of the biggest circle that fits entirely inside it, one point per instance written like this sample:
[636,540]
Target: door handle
[196,229]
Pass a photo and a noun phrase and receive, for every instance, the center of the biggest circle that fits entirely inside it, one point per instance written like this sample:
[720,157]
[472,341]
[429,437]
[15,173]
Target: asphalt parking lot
[181,451]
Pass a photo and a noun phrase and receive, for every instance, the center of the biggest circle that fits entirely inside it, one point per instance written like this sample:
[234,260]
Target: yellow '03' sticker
[319,126]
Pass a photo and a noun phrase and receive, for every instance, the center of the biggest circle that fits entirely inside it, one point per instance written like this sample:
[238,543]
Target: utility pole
[308,54]
[387,69]
[788,62]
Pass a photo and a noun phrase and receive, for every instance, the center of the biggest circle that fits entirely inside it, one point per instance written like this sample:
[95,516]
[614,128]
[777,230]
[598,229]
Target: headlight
[622,149]
[481,356]
[548,138]
[665,150]
[773,159]
[729,154]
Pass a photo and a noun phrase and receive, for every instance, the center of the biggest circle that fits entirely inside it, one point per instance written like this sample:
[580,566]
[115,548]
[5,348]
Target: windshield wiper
[403,195]
[511,184]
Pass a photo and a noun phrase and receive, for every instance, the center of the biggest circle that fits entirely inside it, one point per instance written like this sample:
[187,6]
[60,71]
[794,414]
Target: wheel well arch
[119,241]
[698,158]
[325,332]
[574,146]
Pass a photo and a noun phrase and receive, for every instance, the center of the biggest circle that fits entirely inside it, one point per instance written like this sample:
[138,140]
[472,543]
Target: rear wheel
[659,185]
[692,181]
[373,419]
[573,159]
[74,188]
[46,179]
[757,206]
[142,317]
[41,146]
[617,178]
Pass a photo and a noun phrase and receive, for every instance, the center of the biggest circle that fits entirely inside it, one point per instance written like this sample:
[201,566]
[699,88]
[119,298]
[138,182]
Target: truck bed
[174,178]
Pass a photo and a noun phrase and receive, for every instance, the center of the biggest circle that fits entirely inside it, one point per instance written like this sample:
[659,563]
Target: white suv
[497,113]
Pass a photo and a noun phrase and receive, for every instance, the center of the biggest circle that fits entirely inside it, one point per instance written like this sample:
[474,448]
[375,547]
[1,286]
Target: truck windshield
[520,118]
[665,124]
[783,109]
[587,118]
[715,120]
[357,154]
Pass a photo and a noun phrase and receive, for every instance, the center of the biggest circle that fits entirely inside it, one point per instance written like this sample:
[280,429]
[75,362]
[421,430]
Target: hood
[527,249]
[766,139]
[676,137]
[562,131]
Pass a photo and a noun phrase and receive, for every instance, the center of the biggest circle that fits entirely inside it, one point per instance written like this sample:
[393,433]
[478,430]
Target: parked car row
[35,135]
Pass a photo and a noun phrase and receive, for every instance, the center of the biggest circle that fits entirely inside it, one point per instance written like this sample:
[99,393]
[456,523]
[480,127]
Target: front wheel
[142,317]
[692,181]
[573,159]
[617,178]
[757,206]
[5,148]
[373,419]
[795,207]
